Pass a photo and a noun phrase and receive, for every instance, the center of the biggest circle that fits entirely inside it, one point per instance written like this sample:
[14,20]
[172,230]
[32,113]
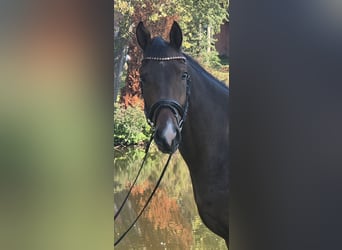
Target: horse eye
[184,76]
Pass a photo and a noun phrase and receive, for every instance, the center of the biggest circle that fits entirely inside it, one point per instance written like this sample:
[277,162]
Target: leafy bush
[130,126]
[211,59]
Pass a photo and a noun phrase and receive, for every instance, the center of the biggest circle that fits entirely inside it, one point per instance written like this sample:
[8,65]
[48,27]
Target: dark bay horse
[188,108]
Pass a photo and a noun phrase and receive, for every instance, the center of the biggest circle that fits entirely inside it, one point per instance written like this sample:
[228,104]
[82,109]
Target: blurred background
[56,125]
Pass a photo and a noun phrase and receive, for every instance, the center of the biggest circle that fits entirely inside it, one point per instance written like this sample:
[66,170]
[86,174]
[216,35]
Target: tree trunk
[119,60]
[120,52]
[209,38]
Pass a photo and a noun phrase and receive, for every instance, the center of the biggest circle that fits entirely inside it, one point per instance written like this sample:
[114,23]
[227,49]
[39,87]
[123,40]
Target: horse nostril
[158,137]
[161,142]
[166,140]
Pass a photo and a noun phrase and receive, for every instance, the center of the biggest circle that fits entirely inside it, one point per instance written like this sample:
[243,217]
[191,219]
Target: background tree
[119,56]
[199,19]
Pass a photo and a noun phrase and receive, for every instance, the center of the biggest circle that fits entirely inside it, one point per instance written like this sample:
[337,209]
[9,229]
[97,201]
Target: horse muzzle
[167,117]
[167,134]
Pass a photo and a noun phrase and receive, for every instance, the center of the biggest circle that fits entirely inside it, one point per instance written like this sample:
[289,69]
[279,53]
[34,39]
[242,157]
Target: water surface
[171,220]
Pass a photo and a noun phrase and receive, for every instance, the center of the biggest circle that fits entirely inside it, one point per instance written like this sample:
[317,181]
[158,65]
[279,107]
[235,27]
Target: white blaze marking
[169,132]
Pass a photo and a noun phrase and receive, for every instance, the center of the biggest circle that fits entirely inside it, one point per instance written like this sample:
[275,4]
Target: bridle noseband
[177,109]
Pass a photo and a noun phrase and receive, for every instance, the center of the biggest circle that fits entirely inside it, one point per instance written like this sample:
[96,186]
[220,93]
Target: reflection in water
[171,219]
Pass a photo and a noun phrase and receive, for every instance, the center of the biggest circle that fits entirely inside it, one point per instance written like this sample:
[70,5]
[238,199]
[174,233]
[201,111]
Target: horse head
[165,85]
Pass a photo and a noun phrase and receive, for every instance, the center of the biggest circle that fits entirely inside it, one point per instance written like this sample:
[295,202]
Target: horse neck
[204,148]
[206,127]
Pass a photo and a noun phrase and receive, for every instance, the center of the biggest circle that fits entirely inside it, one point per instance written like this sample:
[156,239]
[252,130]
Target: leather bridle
[177,109]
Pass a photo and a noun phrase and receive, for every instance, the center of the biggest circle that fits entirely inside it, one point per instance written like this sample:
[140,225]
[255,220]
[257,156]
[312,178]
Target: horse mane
[195,65]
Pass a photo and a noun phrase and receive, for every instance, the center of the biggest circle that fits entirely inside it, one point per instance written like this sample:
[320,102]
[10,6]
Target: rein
[147,202]
[136,178]
[180,113]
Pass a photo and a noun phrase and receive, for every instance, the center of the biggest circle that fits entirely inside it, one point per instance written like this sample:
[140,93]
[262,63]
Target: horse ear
[143,36]
[176,36]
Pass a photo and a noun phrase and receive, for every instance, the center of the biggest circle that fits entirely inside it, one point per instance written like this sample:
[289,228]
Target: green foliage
[211,59]
[217,66]
[130,126]
[196,17]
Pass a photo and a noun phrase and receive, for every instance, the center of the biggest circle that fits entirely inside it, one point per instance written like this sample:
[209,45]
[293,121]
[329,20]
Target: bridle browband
[164,58]
[177,109]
